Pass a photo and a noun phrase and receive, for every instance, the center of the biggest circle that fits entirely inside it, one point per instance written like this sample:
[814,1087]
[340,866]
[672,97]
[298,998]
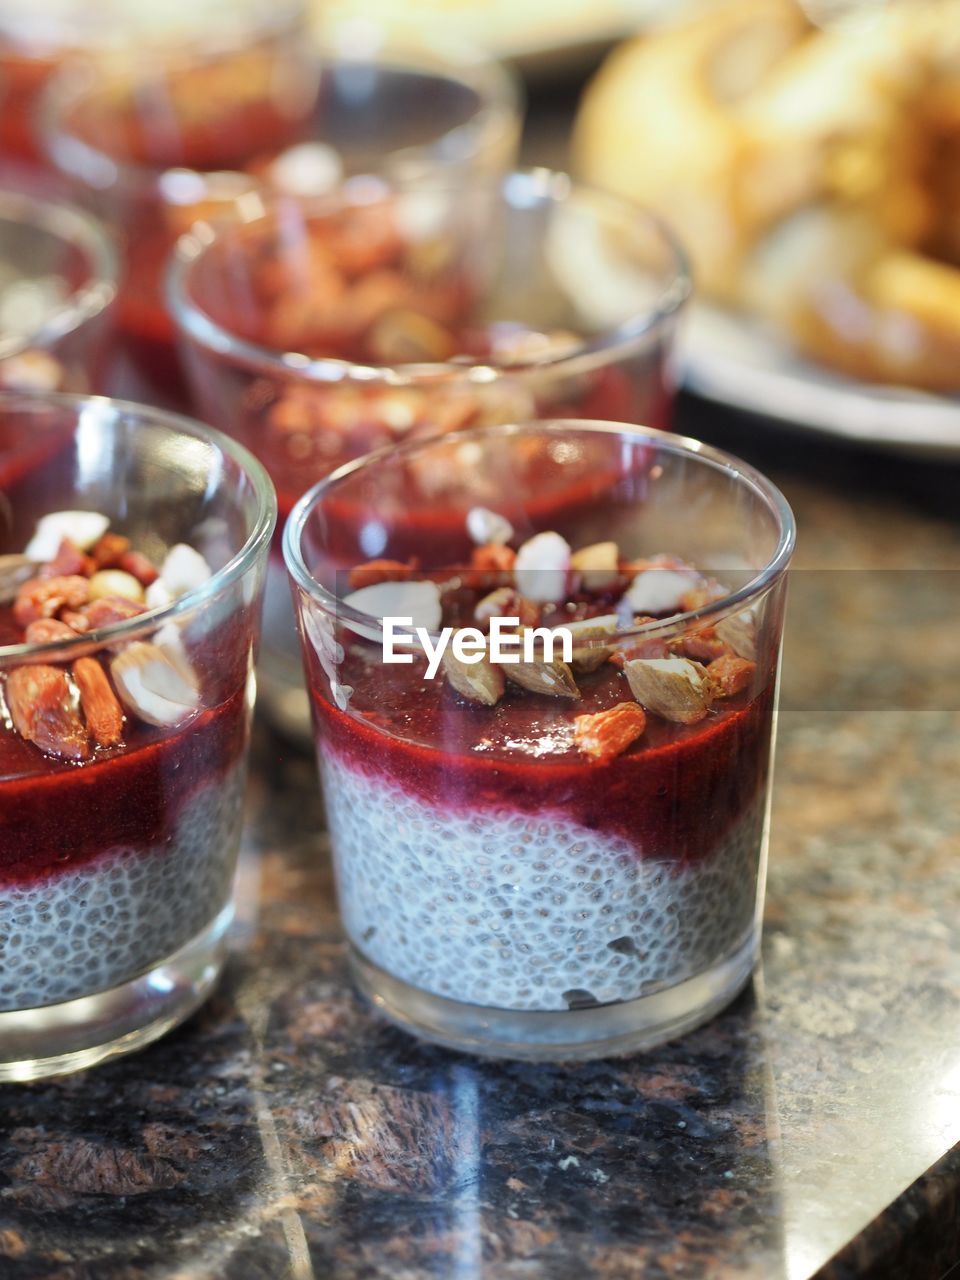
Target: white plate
[727,359]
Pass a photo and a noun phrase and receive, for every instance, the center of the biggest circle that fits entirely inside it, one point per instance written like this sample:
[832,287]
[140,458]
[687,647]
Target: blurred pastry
[812,173]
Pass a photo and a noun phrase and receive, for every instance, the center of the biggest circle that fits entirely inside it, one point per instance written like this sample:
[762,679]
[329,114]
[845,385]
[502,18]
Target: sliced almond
[14,572]
[183,570]
[597,565]
[552,678]
[674,688]
[154,685]
[478,681]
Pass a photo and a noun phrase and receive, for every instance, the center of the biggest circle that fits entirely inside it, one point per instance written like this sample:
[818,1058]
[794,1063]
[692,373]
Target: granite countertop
[811,1130]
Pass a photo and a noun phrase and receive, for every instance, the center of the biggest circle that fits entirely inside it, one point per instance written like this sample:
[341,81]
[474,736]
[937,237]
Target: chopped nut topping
[702,646]
[553,678]
[597,566]
[478,681]
[107,583]
[674,688]
[42,710]
[607,734]
[730,675]
[659,590]
[45,597]
[585,657]
[155,687]
[542,566]
[99,704]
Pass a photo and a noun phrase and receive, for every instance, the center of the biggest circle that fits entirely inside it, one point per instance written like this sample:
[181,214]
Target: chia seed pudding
[122,763]
[560,834]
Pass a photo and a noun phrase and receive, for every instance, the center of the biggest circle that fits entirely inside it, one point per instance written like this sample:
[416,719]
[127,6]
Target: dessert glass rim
[549,184]
[235,567]
[69,224]
[730,602]
[272,16]
[497,87]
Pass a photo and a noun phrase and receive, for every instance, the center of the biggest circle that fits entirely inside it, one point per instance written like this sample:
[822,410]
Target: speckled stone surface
[811,1130]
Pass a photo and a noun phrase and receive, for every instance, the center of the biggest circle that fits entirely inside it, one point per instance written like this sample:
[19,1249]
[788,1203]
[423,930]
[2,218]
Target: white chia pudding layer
[514,911]
[109,920]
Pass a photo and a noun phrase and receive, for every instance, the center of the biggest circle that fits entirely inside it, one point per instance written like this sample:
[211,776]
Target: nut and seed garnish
[675,688]
[553,678]
[607,734]
[477,681]
[730,675]
[78,577]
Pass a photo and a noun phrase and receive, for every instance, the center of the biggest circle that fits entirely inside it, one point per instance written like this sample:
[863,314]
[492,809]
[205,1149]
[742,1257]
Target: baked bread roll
[812,174]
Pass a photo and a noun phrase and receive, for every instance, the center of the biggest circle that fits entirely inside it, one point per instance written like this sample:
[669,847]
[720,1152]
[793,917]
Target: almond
[507,603]
[607,734]
[597,565]
[108,583]
[155,686]
[478,681]
[588,657]
[491,566]
[41,707]
[702,646]
[108,549]
[44,598]
[674,688]
[99,704]
[730,675]
[552,678]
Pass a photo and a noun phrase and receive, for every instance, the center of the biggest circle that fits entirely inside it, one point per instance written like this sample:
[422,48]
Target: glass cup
[317,331]
[39,39]
[126,702]
[559,859]
[58,280]
[156,147]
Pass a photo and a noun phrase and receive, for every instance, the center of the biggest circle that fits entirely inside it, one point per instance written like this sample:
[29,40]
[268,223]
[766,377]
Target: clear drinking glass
[58,280]
[156,146]
[515,877]
[317,331]
[118,836]
[39,39]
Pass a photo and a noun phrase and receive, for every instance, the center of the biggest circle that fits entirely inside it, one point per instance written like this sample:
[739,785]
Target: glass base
[566,1035]
[58,1038]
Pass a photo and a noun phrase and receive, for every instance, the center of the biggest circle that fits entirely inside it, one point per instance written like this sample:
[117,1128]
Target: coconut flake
[658,590]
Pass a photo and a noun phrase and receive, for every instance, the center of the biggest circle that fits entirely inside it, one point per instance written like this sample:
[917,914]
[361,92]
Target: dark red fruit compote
[120,779]
[561,834]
